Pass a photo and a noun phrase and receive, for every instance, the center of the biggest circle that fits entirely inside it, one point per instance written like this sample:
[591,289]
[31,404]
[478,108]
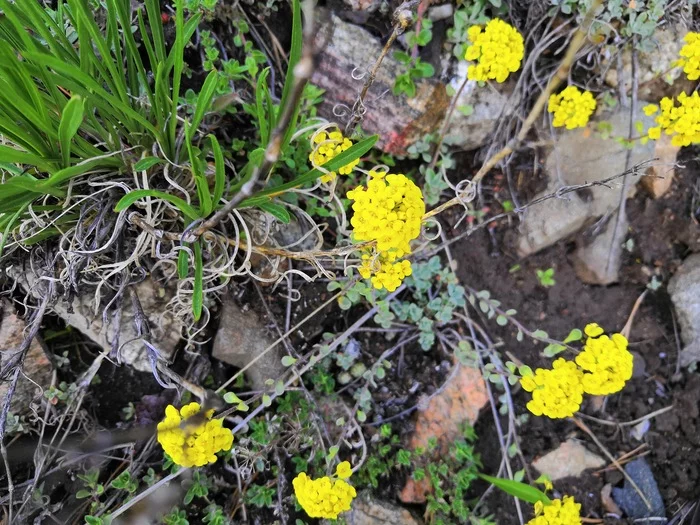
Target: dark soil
[664,233]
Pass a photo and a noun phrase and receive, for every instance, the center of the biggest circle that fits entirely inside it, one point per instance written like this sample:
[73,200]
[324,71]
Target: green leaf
[197,291]
[574,335]
[262,109]
[294,57]
[183,264]
[71,119]
[203,102]
[277,210]
[133,196]
[82,494]
[520,490]
[354,152]
[219,171]
[288,360]
[146,163]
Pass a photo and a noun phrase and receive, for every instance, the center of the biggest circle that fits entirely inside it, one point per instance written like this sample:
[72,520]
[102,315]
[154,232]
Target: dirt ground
[664,233]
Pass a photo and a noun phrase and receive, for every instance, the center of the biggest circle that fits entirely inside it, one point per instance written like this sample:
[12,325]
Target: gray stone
[37,369]
[368,511]
[582,156]
[241,339]
[398,120]
[684,288]
[570,459]
[81,314]
[489,104]
[629,500]
[591,260]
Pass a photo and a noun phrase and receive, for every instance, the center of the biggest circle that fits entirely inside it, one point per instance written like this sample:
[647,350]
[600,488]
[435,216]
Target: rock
[570,459]
[369,511]
[684,288]
[165,328]
[488,107]
[591,261]
[628,499]
[608,502]
[442,416]
[241,338]
[660,176]
[578,157]
[364,5]
[657,75]
[398,120]
[37,367]
[639,366]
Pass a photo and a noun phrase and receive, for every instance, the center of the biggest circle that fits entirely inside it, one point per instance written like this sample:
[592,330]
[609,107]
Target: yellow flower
[690,56]
[606,362]
[650,109]
[655,133]
[389,211]
[497,49]
[385,271]
[193,443]
[323,497]
[563,511]
[681,121]
[326,146]
[343,470]
[572,108]
[556,393]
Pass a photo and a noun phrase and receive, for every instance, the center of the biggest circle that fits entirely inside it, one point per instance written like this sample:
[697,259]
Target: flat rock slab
[582,156]
[442,418]
[684,289]
[81,314]
[570,459]
[37,368]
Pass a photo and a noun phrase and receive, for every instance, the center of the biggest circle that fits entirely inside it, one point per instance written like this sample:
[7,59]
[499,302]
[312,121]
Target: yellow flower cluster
[572,108]
[497,49]
[602,368]
[325,147]
[563,511]
[324,497]
[190,443]
[385,273]
[690,56]
[682,121]
[556,393]
[606,362]
[389,211]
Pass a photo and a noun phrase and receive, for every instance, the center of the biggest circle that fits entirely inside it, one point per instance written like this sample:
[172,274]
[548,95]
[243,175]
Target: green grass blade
[198,289]
[200,179]
[219,171]
[71,119]
[204,99]
[183,263]
[8,154]
[262,95]
[354,152]
[294,52]
[519,490]
[276,210]
[136,195]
